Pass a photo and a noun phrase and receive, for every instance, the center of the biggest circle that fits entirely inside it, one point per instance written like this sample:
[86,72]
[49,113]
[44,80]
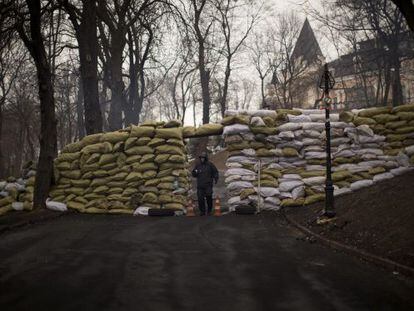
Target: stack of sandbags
[17,193]
[296,152]
[119,171]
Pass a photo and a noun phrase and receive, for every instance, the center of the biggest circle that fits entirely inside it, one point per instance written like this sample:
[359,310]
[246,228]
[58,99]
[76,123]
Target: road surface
[107,262]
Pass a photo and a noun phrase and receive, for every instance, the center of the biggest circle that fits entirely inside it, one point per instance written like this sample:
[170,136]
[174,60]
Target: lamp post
[326,83]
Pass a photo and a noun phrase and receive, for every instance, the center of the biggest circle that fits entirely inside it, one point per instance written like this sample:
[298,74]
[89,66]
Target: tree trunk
[387,86]
[48,143]
[397,95]
[2,167]
[88,54]
[223,100]
[79,110]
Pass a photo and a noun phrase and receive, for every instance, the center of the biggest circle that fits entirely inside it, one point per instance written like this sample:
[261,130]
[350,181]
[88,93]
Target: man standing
[206,172]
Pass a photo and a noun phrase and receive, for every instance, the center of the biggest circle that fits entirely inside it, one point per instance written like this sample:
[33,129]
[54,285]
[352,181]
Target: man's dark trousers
[205,194]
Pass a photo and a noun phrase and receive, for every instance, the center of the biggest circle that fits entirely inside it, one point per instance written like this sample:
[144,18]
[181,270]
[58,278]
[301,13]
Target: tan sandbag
[114,137]
[264,130]
[115,190]
[122,184]
[269,121]
[288,111]
[346,116]
[6,201]
[149,174]
[130,142]
[151,123]
[5,209]
[172,123]
[166,149]
[91,139]
[140,150]
[169,133]
[273,172]
[175,158]
[94,196]
[142,131]
[377,170]
[107,158]
[361,120]
[133,159]
[152,182]
[142,167]
[176,142]
[96,182]
[118,177]
[343,184]
[315,173]
[292,202]
[73,147]
[105,147]
[69,157]
[147,158]
[209,130]
[166,186]
[406,115]
[256,145]
[340,175]
[176,206]
[189,131]
[262,152]
[75,174]
[133,176]
[396,137]
[129,191]
[405,130]
[75,190]
[80,207]
[403,108]
[161,158]
[370,112]
[238,146]
[100,173]
[119,146]
[385,118]
[396,124]
[236,119]
[314,198]
[90,158]
[150,198]
[95,210]
[167,165]
[156,142]
[289,152]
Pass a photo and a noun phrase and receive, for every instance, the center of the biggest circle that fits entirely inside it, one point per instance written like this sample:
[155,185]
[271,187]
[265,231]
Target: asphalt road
[106,262]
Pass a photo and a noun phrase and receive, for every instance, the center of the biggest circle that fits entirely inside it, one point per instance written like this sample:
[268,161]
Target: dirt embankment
[378,219]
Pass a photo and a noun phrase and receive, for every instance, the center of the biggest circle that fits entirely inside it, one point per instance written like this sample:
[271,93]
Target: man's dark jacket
[205,172]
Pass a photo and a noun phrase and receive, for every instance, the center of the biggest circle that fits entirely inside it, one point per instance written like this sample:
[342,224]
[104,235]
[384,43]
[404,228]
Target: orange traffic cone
[190,208]
[217,207]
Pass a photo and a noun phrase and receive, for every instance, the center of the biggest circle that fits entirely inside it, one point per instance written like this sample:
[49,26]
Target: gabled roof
[307,47]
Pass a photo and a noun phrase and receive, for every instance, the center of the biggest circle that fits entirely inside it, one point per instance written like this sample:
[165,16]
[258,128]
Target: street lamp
[326,83]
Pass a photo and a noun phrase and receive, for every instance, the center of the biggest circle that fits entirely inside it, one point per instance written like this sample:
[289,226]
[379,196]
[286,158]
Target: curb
[30,222]
[384,262]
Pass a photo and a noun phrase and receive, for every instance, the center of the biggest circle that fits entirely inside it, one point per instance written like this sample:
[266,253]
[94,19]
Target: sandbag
[361,184]
[142,131]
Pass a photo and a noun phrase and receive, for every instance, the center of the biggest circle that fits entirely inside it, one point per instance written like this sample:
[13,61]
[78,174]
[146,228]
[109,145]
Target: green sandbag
[75,190]
[189,131]
[307,174]
[175,158]
[69,157]
[392,152]
[354,178]
[263,130]
[165,198]
[130,142]
[119,146]
[370,112]
[118,177]
[80,207]
[114,190]
[346,116]
[75,174]
[165,149]
[396,144]
[173,123]
[385,118]
[107,158]
[396,137]
[80,183]
[152,182]
[90,159]
[167,165]
[142,167]
[406,115]
[95,210]
[142,141]
[262,152]
[133,176]
[121,159]
[62,166]
[361,120]
[94,196]
[169,133]
[165,172]
[101,189]
[142,131]
[238,146]
[91,139]
[209,130]
[289,111]
[96,182]
[176,142]
[266,183]
[340,175]
[403,108]
[176,206]
[105,147]
[114,137]
[289,152]
[156,142]
[149,174]
[365,175]
[147,158]
[161,158]
[140,150]
[237,119]
[121,184]
[343,160]
[100,173]
[269,121]
[73,147]
[292,202]
[133,159]
[377,170]
[343,184]
[6,201]
[166,186]
[256,145]
[314,198]
[150,198]
[405,130]
[273,172]
[396,124]
[129,191]
[150,123]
